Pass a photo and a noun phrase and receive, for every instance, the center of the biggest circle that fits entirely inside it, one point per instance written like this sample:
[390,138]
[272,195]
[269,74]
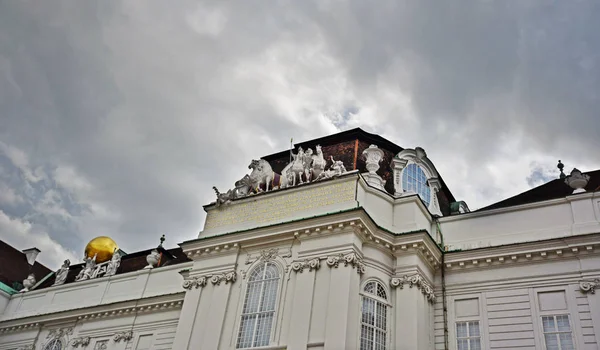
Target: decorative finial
[162,240]
[560,166]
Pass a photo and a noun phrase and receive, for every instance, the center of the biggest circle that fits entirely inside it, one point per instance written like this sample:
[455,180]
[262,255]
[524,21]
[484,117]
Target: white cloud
[23,234]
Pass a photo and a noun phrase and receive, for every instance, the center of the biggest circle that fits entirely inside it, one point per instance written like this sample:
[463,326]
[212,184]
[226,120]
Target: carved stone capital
[194,282]
[83,341]
[310,264]
[589,286]
[348,259]
[228,277]
[125,336]
[415,280]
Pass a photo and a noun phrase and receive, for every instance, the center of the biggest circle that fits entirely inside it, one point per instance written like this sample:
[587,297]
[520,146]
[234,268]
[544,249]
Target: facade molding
[524,253]
[415,280]
[81,341]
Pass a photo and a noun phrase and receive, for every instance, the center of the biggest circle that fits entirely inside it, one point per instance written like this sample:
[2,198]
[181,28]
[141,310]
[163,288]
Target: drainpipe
[444,299]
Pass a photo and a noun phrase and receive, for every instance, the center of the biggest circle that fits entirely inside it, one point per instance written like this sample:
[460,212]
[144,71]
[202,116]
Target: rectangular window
[557,332]
[468,336]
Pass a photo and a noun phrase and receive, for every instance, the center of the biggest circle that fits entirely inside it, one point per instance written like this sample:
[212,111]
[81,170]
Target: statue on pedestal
[113,264]
[87,271]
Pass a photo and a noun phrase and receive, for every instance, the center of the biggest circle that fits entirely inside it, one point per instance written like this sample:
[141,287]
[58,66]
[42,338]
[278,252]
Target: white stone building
[363,248]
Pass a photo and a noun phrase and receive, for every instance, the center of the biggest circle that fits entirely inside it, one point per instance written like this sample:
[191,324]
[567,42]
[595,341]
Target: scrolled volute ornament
[82,341]
[589,286]
[310,264]
[349,259]
[228,277]
[194,282]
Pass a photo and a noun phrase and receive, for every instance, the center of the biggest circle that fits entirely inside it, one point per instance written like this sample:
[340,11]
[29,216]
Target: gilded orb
[103,247]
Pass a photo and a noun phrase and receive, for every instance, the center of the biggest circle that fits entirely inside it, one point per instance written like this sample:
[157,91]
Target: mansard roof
[348,146]
[554,189]
[15,268]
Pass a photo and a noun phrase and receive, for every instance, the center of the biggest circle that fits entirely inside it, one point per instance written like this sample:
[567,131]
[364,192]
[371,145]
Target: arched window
[54,344]
[258,313]
[415,180]
[373,324]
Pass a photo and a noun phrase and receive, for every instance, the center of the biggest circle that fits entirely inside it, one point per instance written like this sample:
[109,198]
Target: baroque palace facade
[349,242]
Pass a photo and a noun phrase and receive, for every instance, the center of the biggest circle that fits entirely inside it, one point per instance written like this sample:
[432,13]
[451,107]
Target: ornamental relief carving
[268,254]
[125,336]
[215,279]
[333,261]
[415,280]
[83,341]
[589,286]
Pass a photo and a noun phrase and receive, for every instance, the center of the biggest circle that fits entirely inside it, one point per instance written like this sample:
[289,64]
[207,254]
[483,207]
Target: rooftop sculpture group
[305,167]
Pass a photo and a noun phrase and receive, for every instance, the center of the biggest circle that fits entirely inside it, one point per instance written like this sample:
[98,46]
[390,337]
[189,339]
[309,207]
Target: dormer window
[414,180]
[414,173]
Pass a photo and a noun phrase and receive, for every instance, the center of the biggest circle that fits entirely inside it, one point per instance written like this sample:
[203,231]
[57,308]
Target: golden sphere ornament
[103,247]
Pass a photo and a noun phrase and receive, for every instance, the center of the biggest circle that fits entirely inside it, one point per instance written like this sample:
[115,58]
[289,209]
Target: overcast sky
[117,117]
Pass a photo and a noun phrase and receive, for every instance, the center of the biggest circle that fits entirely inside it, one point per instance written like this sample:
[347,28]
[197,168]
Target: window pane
[252,297]
[245,335]
[380,321]
[461,330]
[475,344]
[566,341]
[551,341]
[366,338]
[415,180]
[381,292]
[368,315]
[263,329]
[474,329]
[562,322]
[370,287]
[269,295]
[379,340]
[548,324]
[463,344]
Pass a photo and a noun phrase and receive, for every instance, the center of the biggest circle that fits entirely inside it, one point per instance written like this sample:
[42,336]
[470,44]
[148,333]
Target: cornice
[541,204]
[524,253]
[121,308]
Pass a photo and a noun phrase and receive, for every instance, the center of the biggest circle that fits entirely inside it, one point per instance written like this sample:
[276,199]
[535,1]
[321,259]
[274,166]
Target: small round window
[415,180]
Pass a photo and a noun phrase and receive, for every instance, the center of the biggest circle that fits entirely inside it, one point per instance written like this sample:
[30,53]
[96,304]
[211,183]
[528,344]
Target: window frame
[53,341]
[453,319]
[386,302]
[571,309]
[556,331]
[275,311]
[468,337]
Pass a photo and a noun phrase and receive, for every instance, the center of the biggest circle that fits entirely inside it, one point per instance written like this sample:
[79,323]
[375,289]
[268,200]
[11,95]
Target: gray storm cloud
[116,118]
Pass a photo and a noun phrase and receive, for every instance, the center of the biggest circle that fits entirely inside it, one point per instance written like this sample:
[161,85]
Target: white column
[216,316]
[187,318]
[412,318]
[343,309]
[301,310]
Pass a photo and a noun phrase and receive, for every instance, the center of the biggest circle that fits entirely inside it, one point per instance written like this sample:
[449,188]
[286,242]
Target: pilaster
[302,306]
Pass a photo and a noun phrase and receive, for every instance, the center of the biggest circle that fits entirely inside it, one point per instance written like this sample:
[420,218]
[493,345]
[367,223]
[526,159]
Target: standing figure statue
[307,163]
[113,264]
[87,271]
[61,273]
[297,167]
[318,163]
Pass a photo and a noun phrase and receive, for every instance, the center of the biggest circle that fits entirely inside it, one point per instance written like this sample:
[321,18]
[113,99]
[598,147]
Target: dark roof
[554,189]
[129,263]
[356,134]
[15,268]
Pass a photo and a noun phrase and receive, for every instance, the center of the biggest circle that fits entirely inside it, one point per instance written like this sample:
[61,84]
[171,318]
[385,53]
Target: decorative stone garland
[125,336]
[83,341]
[414,280]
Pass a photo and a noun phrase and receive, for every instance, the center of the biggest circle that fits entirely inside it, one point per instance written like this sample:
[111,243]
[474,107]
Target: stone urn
[373,156]
[152,259]
[577,181]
